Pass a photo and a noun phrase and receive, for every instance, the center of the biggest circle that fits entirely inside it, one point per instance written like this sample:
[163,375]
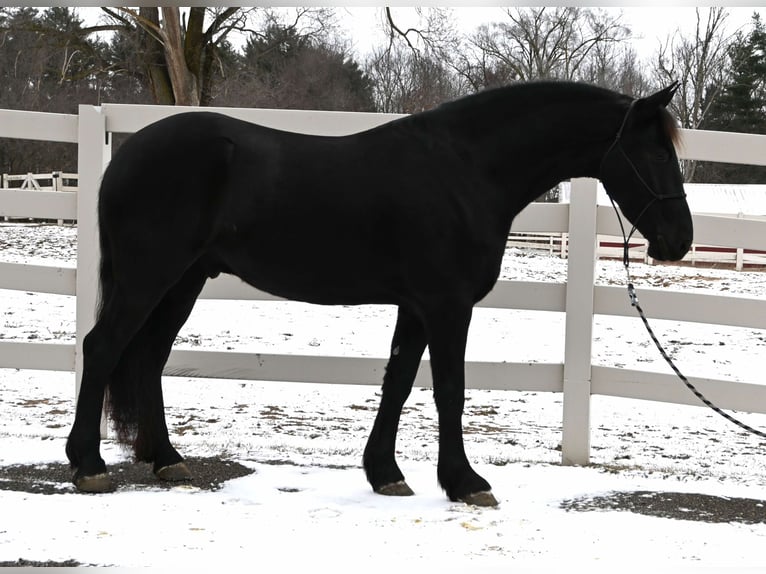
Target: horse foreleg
[449,331]
[407,348]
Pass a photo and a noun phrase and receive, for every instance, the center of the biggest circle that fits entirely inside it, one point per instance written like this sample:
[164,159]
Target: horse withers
[414,213]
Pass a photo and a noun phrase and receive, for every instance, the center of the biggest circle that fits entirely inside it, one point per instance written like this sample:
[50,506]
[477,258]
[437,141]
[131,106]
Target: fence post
[94,153]
[56,184]
[581,271]
[739,262]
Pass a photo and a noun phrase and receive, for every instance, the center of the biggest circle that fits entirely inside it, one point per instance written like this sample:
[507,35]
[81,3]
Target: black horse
[413,213]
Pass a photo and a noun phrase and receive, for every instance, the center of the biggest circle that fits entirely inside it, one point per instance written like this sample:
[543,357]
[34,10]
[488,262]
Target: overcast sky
[650,24]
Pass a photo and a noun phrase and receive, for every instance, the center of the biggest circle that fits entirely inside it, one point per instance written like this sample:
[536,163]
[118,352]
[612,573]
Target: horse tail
[105,276]
[124,391]
[118,402]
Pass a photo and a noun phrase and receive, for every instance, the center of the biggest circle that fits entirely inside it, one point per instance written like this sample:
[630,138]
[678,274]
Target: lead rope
[634,303]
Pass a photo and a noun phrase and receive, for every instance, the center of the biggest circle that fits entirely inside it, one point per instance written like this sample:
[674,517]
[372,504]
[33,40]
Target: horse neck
[528,147]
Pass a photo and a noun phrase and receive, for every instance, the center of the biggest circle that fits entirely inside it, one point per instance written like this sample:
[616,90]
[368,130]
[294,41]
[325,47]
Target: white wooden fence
[552,243]
[51,181]
[577,378]
[555,244]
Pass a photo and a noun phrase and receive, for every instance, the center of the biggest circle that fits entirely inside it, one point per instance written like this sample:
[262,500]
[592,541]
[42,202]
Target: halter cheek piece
[617,144]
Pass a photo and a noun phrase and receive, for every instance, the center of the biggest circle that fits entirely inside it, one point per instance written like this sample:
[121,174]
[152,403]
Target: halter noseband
[655,196]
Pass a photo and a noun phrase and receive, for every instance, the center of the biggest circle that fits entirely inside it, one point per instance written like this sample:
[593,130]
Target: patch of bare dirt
[676,505]
[56,478]
[22,563]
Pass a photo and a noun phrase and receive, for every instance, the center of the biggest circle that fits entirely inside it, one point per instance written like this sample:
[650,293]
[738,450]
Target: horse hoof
[399,488]
[97,483]
[484,498]
[174,472]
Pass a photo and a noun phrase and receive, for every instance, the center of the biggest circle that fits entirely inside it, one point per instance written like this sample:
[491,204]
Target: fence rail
[552,243]
[583,222]
[39,181]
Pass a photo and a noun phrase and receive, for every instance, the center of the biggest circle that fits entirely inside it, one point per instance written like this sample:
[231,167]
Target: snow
[308,505]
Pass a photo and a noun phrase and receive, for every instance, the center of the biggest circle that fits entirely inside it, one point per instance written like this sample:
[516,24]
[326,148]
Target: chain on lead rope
[634,303]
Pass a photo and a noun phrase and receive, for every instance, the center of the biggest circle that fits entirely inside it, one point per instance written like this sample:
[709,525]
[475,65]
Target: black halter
[617,144]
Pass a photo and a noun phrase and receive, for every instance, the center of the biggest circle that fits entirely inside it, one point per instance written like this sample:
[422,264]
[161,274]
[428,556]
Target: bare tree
[180,50]
[411,71]
[546,43]
[700,65]
[287,67]
[616,66]
[407,82]
[433,35]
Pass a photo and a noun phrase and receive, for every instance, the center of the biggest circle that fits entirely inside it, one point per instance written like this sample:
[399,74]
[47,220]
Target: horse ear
[648,107]
[659,99]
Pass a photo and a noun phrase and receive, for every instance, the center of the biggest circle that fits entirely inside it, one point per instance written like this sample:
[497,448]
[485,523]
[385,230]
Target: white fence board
[353,370]
[730,231]
[542,218]
[39,278]
[723,147]
[528,295]
[126,118]
[678,306]
[38,204]
[41,126]
[711,230]
[668,388]
[229,287]
[42,356]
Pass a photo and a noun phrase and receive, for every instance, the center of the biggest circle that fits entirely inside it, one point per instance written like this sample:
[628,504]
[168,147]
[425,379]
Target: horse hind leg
[407,348]
[119,319]
[135,394]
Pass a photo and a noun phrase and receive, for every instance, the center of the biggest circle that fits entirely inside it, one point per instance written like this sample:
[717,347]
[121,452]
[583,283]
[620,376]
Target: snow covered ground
[307,502]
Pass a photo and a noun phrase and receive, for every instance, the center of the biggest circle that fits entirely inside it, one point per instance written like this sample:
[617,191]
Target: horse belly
[313,266]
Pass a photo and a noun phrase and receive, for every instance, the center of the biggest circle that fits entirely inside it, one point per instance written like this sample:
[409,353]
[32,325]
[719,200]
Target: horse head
[641,173]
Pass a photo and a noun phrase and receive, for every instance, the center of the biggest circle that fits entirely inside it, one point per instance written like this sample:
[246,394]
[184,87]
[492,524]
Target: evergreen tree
[47,63]
[741,104]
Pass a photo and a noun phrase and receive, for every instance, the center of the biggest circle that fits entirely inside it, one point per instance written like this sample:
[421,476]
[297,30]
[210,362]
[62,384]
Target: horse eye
[661,156]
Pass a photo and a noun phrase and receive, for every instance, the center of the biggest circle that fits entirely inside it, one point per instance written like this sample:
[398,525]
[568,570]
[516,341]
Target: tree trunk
[154,58]
[185,88]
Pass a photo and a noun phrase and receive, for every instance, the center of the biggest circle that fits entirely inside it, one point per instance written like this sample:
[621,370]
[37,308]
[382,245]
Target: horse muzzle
[662,249]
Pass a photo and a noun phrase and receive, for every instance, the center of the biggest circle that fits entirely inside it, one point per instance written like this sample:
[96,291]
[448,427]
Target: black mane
[528,95]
